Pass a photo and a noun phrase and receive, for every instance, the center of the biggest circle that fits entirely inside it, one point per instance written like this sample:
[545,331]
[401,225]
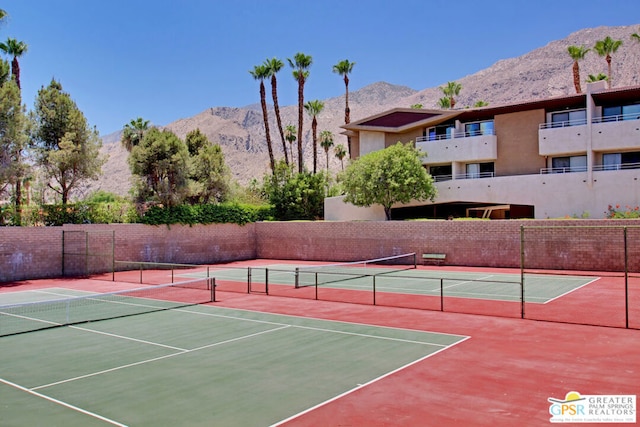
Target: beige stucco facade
[534,157]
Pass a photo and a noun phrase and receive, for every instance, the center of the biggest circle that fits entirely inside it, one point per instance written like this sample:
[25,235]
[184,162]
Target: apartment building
[567,156]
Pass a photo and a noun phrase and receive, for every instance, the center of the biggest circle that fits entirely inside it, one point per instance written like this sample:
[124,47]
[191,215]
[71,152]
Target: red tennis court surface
[501,376]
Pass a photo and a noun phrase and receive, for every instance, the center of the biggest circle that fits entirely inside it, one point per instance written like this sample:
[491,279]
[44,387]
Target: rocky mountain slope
[541,73]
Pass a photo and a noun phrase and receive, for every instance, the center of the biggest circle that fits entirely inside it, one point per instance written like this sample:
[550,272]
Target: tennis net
[33,316]
[331,273]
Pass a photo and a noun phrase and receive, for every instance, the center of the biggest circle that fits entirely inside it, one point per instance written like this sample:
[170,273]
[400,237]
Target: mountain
[541,73]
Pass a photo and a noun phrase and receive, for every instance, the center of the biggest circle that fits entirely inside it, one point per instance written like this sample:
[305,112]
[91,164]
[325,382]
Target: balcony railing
[568,123]
[455,134]
[616,167]
[569,169]
[475,175]
[617,118]
[439,178]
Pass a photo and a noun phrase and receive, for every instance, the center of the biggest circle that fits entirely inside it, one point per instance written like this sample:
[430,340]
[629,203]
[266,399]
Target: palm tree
[343,68]
[313,109]
[300,64]
[340,153]
[444,103]
[596,78]
[273,66]
[605,48]
[480,104]
[133,132]
[3,14]
[290,136]
[450,90]
[577,53]
[635,36]
[326,142]
[261,72]
[13,47]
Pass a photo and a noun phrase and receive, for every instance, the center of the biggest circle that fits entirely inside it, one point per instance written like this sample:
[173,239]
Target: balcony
[620,132]
[459,147]
[560,138]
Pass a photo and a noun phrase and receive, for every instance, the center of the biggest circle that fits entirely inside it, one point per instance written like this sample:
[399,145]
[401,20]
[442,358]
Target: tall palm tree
[340,153]
[13,47]
[605,48]
[261,72]
[273,66]
[133,132]
[450,90]
[290,136]
[343,68]
[3,14]
[326,142]
[577,53]
[313,109]
[300,64]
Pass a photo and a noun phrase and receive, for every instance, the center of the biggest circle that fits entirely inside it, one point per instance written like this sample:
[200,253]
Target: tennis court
[181,363]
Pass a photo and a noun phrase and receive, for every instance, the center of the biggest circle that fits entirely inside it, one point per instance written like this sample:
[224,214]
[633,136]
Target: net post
[113,255]
[297,277]
[415,261]
[266,281]
[212,284]
[141,267]
[626,279]
[374,289]
[248,280]
[522,271]
[441,294]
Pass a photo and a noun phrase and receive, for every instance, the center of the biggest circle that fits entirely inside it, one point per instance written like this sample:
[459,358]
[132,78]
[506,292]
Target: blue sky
[164,60]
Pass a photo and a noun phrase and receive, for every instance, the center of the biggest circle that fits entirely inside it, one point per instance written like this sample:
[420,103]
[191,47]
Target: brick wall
[29,253]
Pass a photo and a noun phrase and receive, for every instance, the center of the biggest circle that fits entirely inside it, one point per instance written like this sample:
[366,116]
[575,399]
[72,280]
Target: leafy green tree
[605,48]
[261,72]
[209,173]
[314,108]
[300,64]
[416,106]
[451,90]
[344,68]
[274,65]
[15,48]
[480,104]
[577,53]
[160,162]
[5,71]
[67,149]
[133,132]
[389,176]
[13,142]
[636,36]
[340,153]
[296,195]
[326,142]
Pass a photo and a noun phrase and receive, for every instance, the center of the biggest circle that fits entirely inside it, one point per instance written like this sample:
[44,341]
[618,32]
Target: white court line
[571,290]
[299,414]
[61,403]
[141,362]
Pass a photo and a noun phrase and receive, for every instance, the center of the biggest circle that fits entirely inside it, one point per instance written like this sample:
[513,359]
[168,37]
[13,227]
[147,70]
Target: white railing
[475,175]
[616,167]
[455,134]
[568,123]
[568,169]
[439,178]
[617,118]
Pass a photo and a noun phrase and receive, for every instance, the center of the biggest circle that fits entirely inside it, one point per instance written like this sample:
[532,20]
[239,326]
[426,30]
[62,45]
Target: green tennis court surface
[194,365]
[539,288]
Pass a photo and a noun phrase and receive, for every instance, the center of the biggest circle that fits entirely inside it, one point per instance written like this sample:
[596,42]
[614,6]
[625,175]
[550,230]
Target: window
[569,164]
[621,112]
[569,118]
[479,128]
[611,161]
[441,173]
[479,170]
[440,132]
